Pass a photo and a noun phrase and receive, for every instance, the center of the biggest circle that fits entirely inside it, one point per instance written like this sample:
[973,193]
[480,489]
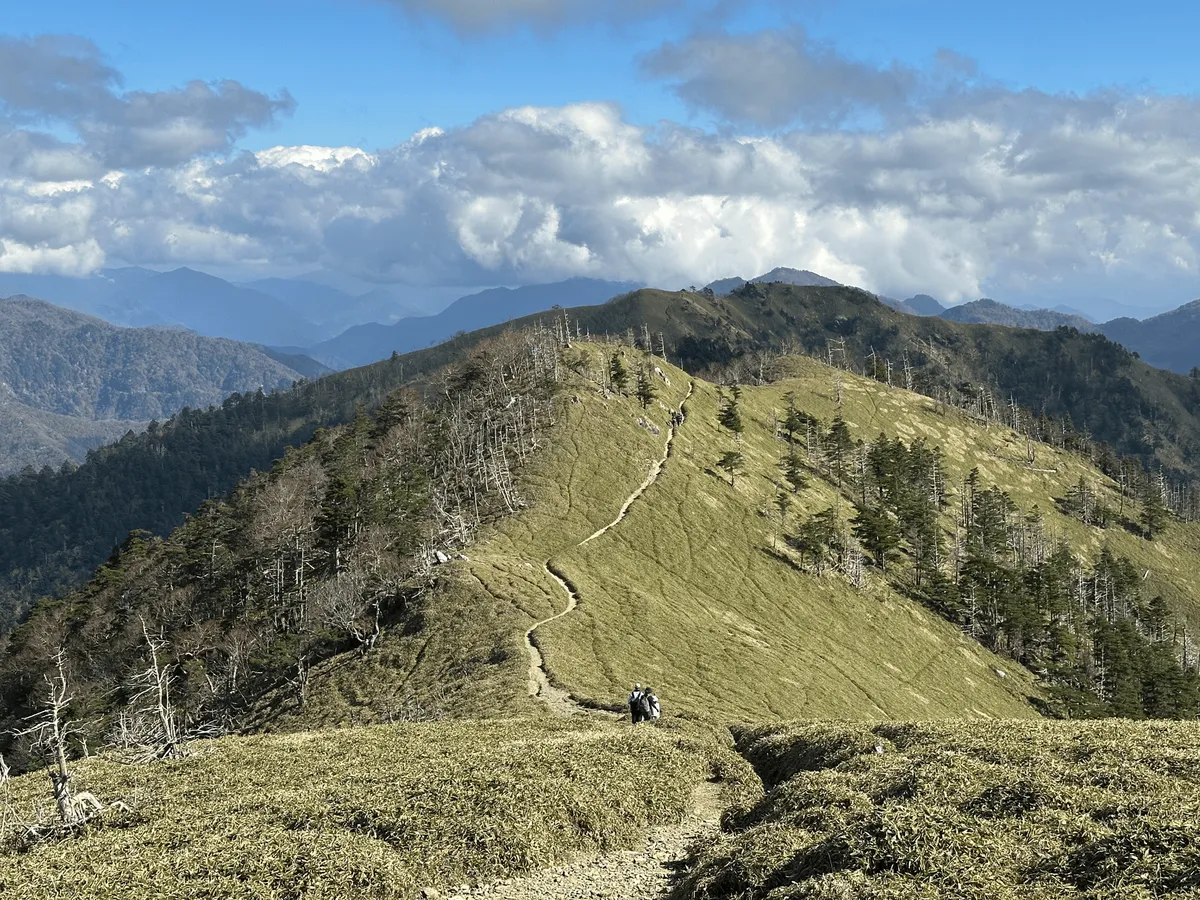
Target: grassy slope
[469,656]
[684,595]
[979,811]
[365,813]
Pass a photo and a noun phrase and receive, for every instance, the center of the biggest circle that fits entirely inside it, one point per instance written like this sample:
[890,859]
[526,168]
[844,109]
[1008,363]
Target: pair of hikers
[643,705]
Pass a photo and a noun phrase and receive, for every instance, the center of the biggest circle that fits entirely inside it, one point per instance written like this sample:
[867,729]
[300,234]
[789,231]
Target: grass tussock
[970,810]
[375,812]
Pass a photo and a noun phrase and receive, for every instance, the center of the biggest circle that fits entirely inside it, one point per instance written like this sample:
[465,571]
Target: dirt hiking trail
[556,699]
[646,872]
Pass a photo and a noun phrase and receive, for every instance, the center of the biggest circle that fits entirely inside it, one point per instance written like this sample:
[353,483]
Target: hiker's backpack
[643,705]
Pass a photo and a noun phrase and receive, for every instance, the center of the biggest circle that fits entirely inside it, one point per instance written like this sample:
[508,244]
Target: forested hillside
[834,545]
[1068,388]
[63,363]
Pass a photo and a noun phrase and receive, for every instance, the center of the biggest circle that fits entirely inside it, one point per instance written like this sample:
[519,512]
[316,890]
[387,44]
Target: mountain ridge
[70,365]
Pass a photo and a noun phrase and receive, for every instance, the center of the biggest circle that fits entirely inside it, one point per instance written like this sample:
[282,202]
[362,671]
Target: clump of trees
[1087,627]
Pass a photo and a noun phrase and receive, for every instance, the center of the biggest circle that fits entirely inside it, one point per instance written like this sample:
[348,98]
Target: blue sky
[1026,150]
[364,74]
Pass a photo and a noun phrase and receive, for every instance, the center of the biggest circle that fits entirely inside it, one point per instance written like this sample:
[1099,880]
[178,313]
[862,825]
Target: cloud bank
[963,185]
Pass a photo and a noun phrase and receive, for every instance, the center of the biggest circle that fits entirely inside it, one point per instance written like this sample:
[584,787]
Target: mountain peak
[801,277]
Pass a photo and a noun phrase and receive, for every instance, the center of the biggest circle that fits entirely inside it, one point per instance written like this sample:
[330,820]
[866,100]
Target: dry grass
[969,810]
[685,594]
[364,813]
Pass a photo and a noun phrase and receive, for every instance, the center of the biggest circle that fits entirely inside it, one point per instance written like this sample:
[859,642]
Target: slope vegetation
[1080,388]
[380,812]
[971,810]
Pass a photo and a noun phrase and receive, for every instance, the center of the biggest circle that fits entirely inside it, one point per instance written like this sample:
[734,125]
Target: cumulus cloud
[982,186]
[528,194]
[474,16]
[59,82]
[774,77]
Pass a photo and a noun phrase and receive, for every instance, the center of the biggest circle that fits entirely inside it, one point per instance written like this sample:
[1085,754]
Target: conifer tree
[731,462]
[783,503]
[729,416]
[646,392]
[1154,515]
[793,473]
[618,375]
[876,530]
[839,443]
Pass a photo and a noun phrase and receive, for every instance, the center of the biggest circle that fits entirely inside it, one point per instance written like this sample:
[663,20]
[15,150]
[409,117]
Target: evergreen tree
[645,389]
[731,462]
[876,530]
[729,416]
[1154,515]
[793,472]
[816,537]
[838,444]
[783,503]
[618,375]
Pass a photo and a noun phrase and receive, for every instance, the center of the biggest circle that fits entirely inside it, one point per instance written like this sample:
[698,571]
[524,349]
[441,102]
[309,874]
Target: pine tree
[1154,515]
[839,443]
[731,462]
[618,375]
[793,473]
[817,536]
[729,416]
[783,503]
[876,530]
[645,390]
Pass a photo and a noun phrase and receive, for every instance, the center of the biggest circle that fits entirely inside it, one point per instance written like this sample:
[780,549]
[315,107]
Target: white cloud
[982,187]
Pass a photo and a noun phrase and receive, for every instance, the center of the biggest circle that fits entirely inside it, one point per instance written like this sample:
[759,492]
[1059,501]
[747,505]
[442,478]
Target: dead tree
[162,736]
[50,734]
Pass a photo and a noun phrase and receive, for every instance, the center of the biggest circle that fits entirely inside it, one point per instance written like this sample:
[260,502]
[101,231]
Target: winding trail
[558,700]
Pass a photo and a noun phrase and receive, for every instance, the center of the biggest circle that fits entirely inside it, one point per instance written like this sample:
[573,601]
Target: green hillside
[537,530]
[1076,390]
[65,364]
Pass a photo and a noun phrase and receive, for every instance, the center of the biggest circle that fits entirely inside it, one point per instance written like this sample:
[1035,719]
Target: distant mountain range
[989,312]
[70,382]
[364,344]
[276,311]
[1170,340]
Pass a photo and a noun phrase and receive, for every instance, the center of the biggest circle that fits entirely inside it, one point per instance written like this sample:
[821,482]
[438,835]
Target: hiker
[652,704]
[635,704]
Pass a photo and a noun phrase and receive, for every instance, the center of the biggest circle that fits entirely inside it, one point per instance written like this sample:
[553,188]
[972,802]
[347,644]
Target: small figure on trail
[635,704]
[655,708]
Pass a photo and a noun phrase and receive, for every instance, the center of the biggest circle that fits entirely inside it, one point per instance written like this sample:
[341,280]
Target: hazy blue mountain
[989,312]
[92,294]
[1170,340]
[924,305]
[723,287]
[363,344]
[61,369]
[214,307]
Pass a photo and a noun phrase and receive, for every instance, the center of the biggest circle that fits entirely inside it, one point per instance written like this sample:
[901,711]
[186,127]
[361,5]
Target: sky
[1024,151]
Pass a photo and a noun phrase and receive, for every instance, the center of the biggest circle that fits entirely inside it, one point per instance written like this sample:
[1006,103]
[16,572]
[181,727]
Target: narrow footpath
[644,873]
[556,699]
